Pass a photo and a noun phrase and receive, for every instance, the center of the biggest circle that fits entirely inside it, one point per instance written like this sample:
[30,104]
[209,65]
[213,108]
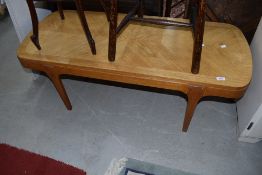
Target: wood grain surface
[146,50]
[146,55]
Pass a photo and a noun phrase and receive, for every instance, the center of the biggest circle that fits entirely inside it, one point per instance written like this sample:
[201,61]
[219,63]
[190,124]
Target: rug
[14,161]
[127,166]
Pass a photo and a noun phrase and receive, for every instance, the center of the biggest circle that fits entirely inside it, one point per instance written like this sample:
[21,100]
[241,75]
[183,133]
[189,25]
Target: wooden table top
[146,51]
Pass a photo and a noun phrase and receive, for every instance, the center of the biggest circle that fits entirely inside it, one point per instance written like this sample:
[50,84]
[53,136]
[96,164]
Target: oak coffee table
[226,66]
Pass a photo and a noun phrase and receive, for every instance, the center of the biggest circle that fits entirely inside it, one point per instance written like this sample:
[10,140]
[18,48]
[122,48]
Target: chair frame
[81,14]
[195,11]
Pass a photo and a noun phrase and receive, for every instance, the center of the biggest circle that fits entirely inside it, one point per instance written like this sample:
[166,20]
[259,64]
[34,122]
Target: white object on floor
[116,166]
[250,106]
[132,173]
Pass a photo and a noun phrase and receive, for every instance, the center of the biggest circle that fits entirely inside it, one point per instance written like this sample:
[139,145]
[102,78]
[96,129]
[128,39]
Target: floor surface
[113,121]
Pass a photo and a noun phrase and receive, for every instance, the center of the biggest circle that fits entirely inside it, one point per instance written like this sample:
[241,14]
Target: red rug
[14,161]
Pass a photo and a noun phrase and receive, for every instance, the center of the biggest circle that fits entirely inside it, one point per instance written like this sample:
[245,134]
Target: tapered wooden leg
[34,19]
[194,96]
[81,14]
[128,17]
[60,9]
[112,30]
[168,8]
[55,78]
[140,11]
[198,36]
[107,12]
[187,8]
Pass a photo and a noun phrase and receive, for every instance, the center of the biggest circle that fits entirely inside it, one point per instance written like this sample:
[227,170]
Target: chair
[81,14]
[195,11]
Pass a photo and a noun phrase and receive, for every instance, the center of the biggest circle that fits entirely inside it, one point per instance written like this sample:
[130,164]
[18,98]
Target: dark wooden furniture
[80,11]
[226,65]
[244,14]
[151,7]
[195,11]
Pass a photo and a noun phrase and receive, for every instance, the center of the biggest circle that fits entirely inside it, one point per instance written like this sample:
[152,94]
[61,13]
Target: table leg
[81,14]
[194,95]
[35,36]
[55,78]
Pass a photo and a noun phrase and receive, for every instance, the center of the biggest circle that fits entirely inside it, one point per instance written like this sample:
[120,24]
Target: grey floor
[110,122]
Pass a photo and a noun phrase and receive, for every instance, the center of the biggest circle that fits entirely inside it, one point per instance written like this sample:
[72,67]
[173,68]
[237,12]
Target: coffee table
[226,66]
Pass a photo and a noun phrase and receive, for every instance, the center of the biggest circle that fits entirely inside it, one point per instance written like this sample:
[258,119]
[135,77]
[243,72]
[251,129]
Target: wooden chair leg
[60,9]
[198,36]
[112,30]
[128,17]
[140,12]
[55,78]
[107,11]
[81,14]
[194,96]
[187,7]
[34,19]
[168,8]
